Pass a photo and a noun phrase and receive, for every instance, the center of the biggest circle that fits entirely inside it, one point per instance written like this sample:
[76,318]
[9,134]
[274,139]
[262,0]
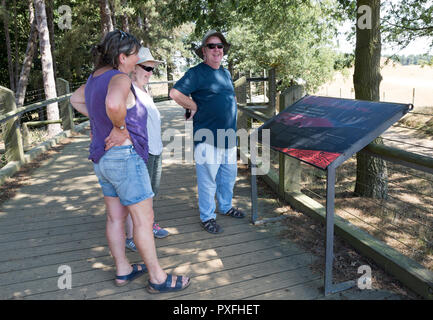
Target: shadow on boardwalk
[58,219]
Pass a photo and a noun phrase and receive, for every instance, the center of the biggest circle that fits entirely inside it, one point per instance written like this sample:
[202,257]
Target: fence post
[14,150]
[413,96]
[289,169]
[66,112]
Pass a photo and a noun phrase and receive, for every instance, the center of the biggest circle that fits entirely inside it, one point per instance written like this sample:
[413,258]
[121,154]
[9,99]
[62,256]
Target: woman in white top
[140,79]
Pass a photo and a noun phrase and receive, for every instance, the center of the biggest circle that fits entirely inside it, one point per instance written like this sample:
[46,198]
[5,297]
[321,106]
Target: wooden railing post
[170,68]
[26,136]
[241,97]
[289,168]
[14,150]
[66,112]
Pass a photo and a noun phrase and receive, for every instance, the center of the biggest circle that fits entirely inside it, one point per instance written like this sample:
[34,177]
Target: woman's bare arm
[78,101]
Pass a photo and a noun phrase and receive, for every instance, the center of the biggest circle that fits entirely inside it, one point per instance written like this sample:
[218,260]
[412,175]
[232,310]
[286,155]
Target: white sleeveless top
[153,121]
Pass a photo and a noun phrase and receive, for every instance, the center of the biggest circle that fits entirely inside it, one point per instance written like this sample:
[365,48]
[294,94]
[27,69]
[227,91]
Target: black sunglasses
[123,35]
[213,45]
[146,68]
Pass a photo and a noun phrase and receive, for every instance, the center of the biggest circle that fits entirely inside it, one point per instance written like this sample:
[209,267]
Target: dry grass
[421,119]
[36,136]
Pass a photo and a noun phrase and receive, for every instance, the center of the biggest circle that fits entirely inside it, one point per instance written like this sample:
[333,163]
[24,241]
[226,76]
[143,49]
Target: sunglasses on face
[213,45]
[146,68]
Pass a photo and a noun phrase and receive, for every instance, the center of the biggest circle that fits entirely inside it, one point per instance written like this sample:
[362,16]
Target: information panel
[318,130]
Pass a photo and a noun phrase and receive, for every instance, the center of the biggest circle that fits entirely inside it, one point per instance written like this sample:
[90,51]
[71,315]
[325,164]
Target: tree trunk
[106,22]
[170,68]
[8,48]
[47,66]
[28,59]
[17,56]
[50,21]
[371,173]
[125,20]
[139,21]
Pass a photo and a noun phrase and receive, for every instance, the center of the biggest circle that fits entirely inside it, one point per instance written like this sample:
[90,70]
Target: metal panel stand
[330,198]
[253,193]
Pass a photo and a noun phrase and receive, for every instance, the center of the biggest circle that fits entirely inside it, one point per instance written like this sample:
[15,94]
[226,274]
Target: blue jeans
[216,175]
[123,173]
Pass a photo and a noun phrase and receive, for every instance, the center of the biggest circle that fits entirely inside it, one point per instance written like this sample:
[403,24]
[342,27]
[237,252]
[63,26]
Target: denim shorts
[123,173]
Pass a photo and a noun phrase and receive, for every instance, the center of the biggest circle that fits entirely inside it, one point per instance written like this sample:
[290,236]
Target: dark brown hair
[114,43]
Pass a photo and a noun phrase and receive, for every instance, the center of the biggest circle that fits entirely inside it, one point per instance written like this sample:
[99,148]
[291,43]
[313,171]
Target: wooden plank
[394,154]
[71,216]
[97,249]
[92,283]
[164,250]
[25,210]
[308,290]
[211,273]
[245,282]
[183,226]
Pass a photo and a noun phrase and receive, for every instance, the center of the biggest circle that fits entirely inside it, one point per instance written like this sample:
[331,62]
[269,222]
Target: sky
[419,46]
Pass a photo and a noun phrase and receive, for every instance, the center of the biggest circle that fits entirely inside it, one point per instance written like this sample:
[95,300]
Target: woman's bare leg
[142,217]
[115,231]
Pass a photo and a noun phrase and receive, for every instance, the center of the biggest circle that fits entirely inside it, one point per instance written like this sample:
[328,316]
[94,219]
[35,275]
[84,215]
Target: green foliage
[19,31]
[74,61]
[405,21]
[292,36]
[402,22]
[344,61]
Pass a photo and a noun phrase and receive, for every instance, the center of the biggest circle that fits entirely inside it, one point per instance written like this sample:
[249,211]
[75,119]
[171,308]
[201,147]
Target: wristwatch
[122,127]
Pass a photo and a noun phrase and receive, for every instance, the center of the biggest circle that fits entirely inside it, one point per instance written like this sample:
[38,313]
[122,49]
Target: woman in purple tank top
[119,151]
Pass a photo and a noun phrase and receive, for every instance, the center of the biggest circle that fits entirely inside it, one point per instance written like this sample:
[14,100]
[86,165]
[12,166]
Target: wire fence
[404,220]
[419,96]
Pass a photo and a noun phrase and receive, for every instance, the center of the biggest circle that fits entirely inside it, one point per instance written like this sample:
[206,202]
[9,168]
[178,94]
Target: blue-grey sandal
[166,286]
[135,273]
[235,213]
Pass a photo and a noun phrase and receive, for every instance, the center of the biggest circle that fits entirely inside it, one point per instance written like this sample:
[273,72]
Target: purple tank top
[101,126]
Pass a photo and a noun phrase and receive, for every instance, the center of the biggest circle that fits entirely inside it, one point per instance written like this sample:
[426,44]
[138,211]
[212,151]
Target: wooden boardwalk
[58,219]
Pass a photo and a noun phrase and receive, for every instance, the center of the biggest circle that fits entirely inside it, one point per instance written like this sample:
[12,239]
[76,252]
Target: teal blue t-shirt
[212,90]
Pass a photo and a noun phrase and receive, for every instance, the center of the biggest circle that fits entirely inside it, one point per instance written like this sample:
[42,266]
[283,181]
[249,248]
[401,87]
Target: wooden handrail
[32,106]
[252,113]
